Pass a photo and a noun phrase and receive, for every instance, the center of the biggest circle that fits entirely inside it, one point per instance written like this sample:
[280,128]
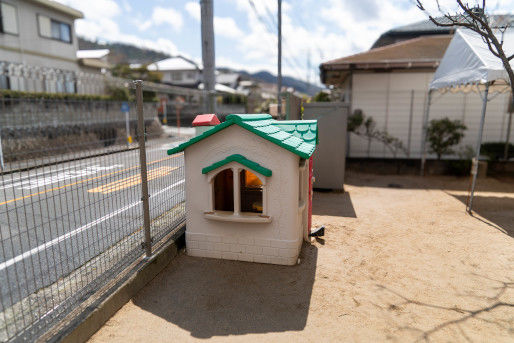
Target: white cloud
[193,9]
[101,21]
[226,26]
[160,16]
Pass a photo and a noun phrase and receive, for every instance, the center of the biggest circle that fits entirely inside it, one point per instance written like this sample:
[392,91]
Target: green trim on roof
[299,137]
[241,160]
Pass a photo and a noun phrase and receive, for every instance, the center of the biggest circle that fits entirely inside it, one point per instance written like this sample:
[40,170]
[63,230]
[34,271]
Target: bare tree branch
[475,19]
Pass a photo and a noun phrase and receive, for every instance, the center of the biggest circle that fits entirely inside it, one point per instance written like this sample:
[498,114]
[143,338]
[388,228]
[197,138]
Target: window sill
[238,218]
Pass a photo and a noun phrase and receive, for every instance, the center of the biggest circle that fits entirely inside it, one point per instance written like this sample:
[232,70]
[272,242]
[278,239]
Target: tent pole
[424,134]
[474,165]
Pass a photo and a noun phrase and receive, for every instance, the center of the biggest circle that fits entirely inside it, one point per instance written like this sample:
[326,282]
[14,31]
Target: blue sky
[313,30]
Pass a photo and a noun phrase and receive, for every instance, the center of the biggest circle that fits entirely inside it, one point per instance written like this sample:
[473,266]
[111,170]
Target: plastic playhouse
[248,188]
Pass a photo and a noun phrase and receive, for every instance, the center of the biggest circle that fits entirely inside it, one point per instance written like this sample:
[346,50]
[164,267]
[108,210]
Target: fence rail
[71,214]
[400,114]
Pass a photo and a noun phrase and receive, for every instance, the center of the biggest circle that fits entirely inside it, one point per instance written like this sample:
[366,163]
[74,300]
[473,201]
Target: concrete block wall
[245,248]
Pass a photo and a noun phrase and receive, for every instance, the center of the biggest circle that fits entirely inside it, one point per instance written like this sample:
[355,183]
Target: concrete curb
[81,329]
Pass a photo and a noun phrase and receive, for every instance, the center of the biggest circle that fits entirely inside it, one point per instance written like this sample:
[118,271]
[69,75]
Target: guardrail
[74,212]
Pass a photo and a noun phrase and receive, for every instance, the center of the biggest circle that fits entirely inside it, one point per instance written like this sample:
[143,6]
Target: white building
[38,33]
[390,84]
[247,189]
[178,71]
[94,61]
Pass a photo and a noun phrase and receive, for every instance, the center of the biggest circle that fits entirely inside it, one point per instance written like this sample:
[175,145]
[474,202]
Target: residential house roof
[97,53]
[427,27]
[76,14]
[174,63]
[421,51]
[228,79]
[299,137]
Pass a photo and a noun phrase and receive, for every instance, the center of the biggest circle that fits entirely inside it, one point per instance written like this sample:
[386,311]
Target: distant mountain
[287,81]
[127,53]
[124,53]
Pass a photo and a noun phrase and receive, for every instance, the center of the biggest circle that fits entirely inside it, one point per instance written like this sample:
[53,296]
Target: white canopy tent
[469,65]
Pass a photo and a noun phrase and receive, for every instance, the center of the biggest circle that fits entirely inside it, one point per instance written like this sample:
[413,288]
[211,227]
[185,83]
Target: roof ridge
[387,47]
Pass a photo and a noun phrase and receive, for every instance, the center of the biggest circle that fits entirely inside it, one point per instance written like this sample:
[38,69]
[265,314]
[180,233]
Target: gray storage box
[330,154]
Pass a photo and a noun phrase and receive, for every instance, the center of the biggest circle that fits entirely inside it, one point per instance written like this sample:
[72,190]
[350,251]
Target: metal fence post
[147,244]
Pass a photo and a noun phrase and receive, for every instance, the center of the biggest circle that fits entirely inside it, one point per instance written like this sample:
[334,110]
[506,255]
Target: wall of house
[387,97]
[29,47]
[181,77]
[277,242]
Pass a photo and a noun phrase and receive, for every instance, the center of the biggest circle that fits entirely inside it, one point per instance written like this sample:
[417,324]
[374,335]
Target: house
[389,83]
[93,61]
[228,79]
[247,188]
[38,33]
[428,28]
[178,71]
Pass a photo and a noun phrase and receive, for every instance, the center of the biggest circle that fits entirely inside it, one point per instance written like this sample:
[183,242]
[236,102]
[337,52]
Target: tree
[443,134]
[475,18]
[321,97]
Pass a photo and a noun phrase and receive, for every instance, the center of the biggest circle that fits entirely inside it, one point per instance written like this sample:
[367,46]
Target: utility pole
[209,66]
[279,73]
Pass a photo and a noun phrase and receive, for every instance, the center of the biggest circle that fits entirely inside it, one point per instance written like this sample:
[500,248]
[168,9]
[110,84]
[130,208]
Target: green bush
[321,97]
[495,150]
[10,94]
[443,134]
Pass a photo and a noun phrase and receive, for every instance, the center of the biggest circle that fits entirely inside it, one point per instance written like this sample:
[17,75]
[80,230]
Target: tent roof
[468,61]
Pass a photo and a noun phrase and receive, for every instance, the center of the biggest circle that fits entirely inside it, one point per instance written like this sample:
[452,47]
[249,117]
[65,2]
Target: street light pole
[279,73]
[208,59]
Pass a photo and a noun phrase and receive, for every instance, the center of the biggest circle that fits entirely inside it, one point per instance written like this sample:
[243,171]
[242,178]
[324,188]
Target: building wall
[188,77]
[277,242]
[30,48]
[387,97]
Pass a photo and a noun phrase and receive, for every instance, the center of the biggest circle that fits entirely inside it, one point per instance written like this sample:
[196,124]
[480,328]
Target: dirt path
[398,263]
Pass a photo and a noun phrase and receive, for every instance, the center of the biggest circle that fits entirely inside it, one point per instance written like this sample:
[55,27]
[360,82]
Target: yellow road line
[132,180]
[82,181]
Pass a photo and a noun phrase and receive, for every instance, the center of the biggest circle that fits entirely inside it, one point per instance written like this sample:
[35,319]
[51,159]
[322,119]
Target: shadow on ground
[333,204]
[210,297]
[453,183]
[484,314]
[498,211]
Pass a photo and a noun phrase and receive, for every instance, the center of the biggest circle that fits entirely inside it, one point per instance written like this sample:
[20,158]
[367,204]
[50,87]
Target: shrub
[443,134]
[495,150]
[321,97]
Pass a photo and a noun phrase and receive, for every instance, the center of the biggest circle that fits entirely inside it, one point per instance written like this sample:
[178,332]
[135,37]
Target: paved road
[56,218]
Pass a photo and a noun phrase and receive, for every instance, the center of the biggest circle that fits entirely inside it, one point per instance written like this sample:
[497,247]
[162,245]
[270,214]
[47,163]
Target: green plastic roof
[242,160]
[298,136]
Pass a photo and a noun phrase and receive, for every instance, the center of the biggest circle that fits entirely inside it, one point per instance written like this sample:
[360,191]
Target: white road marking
[70,234]
[66,175]
[22,177]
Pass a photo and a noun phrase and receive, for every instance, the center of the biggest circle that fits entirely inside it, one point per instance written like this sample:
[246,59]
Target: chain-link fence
[71,208]
[398,121]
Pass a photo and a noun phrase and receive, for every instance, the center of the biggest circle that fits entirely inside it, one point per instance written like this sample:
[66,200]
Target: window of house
[8,18]
[177,76]
[224,191]
[54,29]
[251,192]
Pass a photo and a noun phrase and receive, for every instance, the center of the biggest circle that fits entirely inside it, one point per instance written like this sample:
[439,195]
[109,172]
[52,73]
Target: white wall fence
[400,114]
[29,78]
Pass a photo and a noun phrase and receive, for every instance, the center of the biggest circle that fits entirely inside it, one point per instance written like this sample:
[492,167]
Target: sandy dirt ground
[401,261]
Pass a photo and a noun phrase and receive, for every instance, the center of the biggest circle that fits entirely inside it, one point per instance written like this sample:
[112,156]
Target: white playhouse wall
[387,98]
[277,242]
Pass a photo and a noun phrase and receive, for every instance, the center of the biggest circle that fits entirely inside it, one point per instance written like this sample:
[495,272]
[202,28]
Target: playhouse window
[224,191]
[251,192]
